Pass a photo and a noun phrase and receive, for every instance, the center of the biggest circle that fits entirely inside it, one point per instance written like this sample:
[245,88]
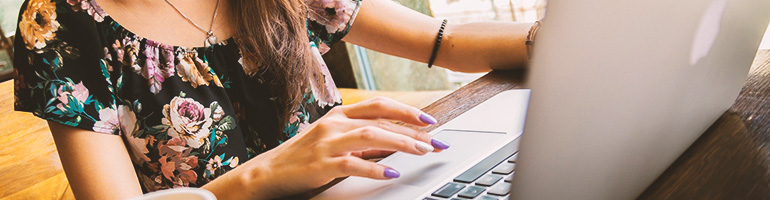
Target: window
[9,13]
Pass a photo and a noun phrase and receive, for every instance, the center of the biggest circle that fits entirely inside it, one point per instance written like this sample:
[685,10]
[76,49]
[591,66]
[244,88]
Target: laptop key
[488,163]
[500,189]
[428,198]
[504,168]
[448,190]
[471,192]
[488,180]
[487,197]
[510,178]
[513,158]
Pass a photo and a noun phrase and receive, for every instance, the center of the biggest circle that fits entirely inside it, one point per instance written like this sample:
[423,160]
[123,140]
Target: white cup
[178,193]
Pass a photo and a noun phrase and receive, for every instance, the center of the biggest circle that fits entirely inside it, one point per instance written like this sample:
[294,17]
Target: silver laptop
[619,89]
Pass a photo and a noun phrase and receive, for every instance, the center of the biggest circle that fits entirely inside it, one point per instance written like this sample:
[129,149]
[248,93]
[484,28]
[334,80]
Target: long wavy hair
[272,36]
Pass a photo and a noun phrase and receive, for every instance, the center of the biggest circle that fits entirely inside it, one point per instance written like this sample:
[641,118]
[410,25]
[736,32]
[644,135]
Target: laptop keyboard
[489,179]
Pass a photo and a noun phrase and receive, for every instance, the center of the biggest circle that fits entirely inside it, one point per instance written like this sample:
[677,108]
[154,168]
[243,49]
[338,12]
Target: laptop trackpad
[421,173]
[420,170]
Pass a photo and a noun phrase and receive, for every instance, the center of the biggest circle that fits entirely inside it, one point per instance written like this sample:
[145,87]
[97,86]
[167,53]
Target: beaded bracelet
[437,45]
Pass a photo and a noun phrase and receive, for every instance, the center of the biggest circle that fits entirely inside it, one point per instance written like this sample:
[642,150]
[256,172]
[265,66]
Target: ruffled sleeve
[60,73]
[328,21]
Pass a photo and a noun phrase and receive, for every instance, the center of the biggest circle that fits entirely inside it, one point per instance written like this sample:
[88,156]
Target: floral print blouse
[186,115]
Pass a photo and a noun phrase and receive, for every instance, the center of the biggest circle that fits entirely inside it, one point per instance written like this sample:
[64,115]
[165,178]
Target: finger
[400,129]
[370,137]
[384,108]
[354,166]
[372,154]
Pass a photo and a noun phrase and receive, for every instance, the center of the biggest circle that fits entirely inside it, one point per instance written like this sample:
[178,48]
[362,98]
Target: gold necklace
[210,38]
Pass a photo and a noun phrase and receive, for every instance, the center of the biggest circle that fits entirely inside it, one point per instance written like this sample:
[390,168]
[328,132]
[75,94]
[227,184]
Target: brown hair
[272,36]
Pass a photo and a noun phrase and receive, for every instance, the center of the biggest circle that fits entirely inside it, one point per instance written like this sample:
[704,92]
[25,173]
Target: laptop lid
[621,88]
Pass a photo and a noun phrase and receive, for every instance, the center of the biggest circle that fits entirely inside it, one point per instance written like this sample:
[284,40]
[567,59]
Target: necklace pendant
[210,40]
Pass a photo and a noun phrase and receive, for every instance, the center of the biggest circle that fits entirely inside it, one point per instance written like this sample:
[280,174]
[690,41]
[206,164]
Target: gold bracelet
[531,37]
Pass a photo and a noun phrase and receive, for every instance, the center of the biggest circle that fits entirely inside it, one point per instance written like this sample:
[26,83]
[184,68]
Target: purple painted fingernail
[439,144]
[391,173]
[425,117]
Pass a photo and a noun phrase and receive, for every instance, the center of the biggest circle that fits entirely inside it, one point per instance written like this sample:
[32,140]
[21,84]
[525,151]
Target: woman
[228,95]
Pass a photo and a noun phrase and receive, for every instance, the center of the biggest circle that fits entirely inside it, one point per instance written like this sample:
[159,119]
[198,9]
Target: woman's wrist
[257,181]
[248,181]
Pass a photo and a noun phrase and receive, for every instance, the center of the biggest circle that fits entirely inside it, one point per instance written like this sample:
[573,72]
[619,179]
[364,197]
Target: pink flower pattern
[188,120]
[68,92]
[158,66]
[85,5]
[333,14]
[108,121]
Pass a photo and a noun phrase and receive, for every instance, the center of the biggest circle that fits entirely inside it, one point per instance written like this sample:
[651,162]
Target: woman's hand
[332,147]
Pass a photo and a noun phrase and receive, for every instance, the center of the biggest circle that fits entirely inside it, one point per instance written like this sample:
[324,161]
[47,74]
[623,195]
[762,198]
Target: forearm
[478,47]
[385,26]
